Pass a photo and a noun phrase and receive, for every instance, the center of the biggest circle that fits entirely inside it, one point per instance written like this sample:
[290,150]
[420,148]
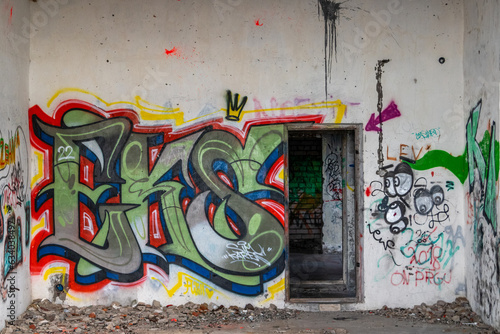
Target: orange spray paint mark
[257,23]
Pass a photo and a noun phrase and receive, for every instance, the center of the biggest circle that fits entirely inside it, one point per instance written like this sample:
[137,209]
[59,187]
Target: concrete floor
[315,267]
[317,276]
[336,323]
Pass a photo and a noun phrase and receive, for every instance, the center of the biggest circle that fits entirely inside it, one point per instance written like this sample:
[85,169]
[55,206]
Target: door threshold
[348,300]
[313,282]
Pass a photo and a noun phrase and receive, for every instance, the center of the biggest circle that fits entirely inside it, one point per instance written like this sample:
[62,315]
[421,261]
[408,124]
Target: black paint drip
[331,10]
[380,100]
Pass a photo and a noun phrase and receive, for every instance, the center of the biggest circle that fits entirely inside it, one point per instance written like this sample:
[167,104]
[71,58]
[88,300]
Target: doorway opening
[322,180]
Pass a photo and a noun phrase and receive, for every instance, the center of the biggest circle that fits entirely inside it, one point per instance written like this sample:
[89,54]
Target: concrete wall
[15,230]
[147,188]
[333,166]
[481,101]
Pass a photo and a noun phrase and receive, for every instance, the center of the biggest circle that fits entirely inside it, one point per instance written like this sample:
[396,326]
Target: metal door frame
[357,130]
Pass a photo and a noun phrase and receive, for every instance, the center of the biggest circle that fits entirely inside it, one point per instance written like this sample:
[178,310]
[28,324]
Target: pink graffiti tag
[390,112]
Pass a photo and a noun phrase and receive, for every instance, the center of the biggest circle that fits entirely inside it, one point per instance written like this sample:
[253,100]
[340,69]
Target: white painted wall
[482,77]
[15,288]
[110,51]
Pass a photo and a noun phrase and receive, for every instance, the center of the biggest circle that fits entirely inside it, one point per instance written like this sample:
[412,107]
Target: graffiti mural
[14,206]
[487,169]
[412,222]
[428,202]
[117,198]
[13,247]
[479,164]
[411,216]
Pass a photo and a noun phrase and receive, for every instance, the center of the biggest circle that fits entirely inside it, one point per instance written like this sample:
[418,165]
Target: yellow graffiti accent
[197,288]
[147,111]
[59,270]
[347,184]
[38,226]
[54,270]
[152,112]
[174,288]
[340,112]
[193,285]
[39,168]
[349,187]
[8,150]
[274,289]
[281,175]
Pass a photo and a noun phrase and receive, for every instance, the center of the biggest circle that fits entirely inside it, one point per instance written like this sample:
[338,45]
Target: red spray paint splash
[170,52]
[10,17]
[257,23]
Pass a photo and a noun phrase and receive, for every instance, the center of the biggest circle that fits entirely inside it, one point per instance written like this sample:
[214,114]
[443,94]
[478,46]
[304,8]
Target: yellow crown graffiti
[233,108]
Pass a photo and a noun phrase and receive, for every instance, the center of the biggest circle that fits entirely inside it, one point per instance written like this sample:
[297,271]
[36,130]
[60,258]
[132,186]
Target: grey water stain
[331,13]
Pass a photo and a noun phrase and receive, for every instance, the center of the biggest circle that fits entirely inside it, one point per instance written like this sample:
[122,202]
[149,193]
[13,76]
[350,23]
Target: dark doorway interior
[305,194]
[316,228]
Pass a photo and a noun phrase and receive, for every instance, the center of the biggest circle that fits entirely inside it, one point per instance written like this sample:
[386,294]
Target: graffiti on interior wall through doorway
[208,198]
[333,174]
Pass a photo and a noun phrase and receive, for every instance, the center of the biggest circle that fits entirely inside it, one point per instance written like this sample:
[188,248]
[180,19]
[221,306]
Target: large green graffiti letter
[487,172]
[113,247]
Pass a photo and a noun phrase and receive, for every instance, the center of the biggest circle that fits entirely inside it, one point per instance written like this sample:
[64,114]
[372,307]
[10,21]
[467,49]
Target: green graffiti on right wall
[483,155]
[438,158]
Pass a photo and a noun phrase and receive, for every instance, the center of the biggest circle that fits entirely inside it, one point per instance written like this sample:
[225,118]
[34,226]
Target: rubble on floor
[458,312]
[44,316]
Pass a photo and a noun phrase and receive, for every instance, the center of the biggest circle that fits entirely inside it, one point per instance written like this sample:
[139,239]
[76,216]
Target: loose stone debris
[458,312]
[44,316]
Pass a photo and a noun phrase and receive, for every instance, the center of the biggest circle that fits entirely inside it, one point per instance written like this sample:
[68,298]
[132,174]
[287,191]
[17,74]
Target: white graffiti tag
[243,252]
